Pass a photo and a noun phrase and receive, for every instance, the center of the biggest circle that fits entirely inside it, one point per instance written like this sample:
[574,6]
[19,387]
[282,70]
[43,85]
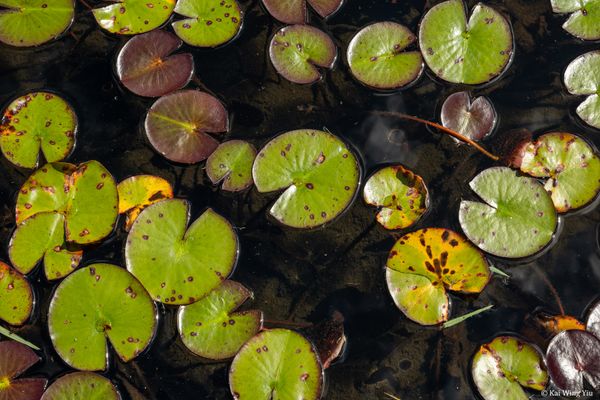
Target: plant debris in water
[16,296]
[296,11]
[82,385]
[132,17]
[138,192]
[231,165]
[15,359]
[584,17]
[582,78]
[474,118]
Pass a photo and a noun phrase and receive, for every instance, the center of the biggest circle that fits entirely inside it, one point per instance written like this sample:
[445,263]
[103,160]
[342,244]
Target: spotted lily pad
[503,367]
[475,119]
[276,364]
[317,171]
[82,385]
[16,296]
[38,121]
[425,264]
[584,18]
[296,11]
[15,359]
[378,59]
[209,23]
[401,194]
[26,23]
[572,357]
[147,67]
[297,51]
[98,303]
[140,191]
[231,164]
[210,328]
[178,264]
[131,17]
[582,78]
[471,50]
[178,125]
[516,218]
[593,321]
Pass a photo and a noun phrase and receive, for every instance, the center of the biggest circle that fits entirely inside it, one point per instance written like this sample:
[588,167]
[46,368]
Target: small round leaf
[15,359]
[16,296]
[584,18]
[231,164]
[82,385]
[296,11]
[131,17]
[475,119]
[138,192]
[573,356]
[582,78]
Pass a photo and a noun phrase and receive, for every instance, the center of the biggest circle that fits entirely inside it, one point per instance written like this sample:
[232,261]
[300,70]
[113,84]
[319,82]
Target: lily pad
[401,194]
[584,18]
[140,191]
[276,364]
[178,264]
[516,219]
[329,338]
[461,49]
[503,367]
[147,67]
[298,51]
[425,264]
[475,119]
[15,359]
[178,125]
[572,357]
[582,78]
[554,324]
[231,164]
[26,23]
[82,385]
[38,121]
[98,303]
[378,59]
[209,23]
[210,328]
[131,17]
[16,297]
[318,173]
[593,321]
[296,11]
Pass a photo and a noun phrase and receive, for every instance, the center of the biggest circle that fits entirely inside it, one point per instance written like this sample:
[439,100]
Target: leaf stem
[551,287]
[458,320]
[17,338]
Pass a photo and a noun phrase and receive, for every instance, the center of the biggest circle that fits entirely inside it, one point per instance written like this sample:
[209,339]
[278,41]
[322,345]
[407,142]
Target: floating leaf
[317,171]
[517,216]
[140,191]
[16,297]
[329,338]
[401,194]
[178,264]
[554,324]
[178,124]
[296,11]
[231,163]
[276,364]
[424,264]
[147,67]
[582,78]
[593,321]
[573,356]
[15,359]
[98,303]
[377,56]
[209,23]
[474,119]
[37,121]
[470,50]
[210,328]
[131,17]
[504,366]
[82,385]
[584,21]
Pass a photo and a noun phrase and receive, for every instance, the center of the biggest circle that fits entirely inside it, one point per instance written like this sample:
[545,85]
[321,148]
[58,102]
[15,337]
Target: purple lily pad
[593,321]
[146,66]
[474,118]
[16,358]
[178,125]
[573,356]
[296,11]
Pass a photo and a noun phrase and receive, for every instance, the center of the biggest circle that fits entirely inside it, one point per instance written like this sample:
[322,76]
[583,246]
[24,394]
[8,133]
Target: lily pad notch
[582,78]
[296,11]
[584,17]
[132,17]
[474,118]
[231,165]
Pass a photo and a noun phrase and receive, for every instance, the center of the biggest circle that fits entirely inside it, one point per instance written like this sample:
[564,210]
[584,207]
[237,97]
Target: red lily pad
[474,118]
[573,356]
[16,358]
[296,11]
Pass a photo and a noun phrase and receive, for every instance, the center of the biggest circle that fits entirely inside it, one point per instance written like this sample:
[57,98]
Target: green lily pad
[178,264]
[210,328]
[138,192]
[15,359]
[231,164]
[378,59]
[209,23]
[16,296]
[401,194]
[37,121]
[425,264]
[317,171]
[475,119]
[504,366]
[584,21]
[98,303]
[296,11]
[276,364]
[582,78]
[571,166]
[32,22]
[82,385]
[131,17]
[516,219]
[471,50]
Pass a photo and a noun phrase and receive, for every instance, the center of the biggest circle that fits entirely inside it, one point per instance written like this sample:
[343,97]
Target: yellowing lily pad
[16,296]
[140,191]
[582,78]
[584,18]
[82,385]
[131,17]
[231,164]
[15,359]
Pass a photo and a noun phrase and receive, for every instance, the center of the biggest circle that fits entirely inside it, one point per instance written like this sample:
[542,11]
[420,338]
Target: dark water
[305,276]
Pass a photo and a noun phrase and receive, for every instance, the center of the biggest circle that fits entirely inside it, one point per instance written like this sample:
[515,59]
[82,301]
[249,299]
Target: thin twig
[551,287]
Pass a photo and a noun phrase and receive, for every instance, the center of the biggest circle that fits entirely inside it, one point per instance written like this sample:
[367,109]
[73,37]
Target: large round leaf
[15,359]
[82,385]
[319,173]
[475,119]
[582,77]
[296,11]
[461,50]
[572,357]
[138,192]
[131,17]
[231,164]
[178,264]
[584,18]
[516,219]
[16,296]
[98,303]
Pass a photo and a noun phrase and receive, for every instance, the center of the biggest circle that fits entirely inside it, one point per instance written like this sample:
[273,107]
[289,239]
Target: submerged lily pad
[296,11]
[582,78]
[503,367]
[317,171]
[276,364]
[401,194]
[210,328]
[297,51]
[147,67]
[16,297]
[37,121]
[98,303]
[15,359]
[138,192]
[178,264]
[178,125]
[378,59]
[209,23]
[471,50]
[131,17]
[475,119]
[82,385]
[572,357]
[516,218]
[584,18]
[425,264]
[231,164]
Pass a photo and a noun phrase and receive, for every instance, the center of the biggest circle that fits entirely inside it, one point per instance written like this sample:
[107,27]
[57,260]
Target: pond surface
[306,276]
